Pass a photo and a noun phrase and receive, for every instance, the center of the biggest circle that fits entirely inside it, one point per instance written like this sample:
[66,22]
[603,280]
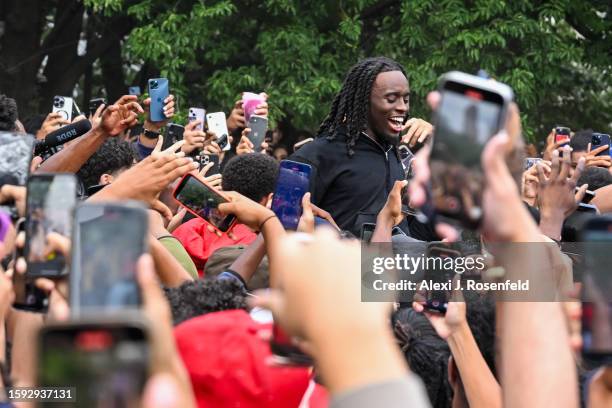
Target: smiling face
[389,105]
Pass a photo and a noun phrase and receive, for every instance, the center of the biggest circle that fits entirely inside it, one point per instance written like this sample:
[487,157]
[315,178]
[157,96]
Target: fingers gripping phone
[96,362]
[598,140]
[94,104]
[292,183]
[158,91]
[64,106]
[259,127]
[50,204]
[206,158]
[217,124]
[107,241]
[203,201]
[471,111]
[562,135]
[197,114]
[174,133]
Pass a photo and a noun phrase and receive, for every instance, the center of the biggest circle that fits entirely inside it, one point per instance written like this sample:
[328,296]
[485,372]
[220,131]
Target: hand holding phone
[217,124]
[562,135]
[108,240]
[50,204]
[472,109]
[293,182]
[203,201]
[197,114]
[259,127]
[64,106]
[158,91]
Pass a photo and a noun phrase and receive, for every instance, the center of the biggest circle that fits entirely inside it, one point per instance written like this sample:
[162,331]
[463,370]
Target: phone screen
[108,240]
[597,291]
[50,204]
[104,365]
[293,182]
[466,119]
[203,202]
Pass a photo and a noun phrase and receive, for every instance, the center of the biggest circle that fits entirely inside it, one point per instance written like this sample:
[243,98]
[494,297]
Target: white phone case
[63,105]
[217,124]
[197,114]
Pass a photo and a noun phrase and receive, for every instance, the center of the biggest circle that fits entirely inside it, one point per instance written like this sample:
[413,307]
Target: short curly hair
[202,296]
[8,113]
[112,156]
[253,175]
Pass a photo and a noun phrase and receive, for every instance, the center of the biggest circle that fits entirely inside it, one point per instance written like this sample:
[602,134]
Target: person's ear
[106,179]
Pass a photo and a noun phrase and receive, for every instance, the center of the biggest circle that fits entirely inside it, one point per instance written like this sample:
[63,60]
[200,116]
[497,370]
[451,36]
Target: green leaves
[554,53]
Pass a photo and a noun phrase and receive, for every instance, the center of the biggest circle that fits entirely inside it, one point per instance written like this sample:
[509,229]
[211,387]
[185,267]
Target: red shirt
[200,243]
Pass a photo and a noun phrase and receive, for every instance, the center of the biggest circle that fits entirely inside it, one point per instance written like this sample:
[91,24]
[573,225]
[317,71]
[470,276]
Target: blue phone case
[293,182]
[158,91]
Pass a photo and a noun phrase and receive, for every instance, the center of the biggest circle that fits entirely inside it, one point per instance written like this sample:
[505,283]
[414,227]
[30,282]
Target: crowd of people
[213,303]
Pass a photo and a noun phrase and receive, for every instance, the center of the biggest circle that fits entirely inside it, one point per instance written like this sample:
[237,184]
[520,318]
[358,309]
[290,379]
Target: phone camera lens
[154,84]
[596,139]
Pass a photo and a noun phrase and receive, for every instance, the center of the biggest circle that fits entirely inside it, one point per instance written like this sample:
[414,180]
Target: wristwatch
[150,134]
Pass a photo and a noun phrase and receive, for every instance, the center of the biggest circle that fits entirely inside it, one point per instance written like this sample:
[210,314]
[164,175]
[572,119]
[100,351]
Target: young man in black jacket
[354,158]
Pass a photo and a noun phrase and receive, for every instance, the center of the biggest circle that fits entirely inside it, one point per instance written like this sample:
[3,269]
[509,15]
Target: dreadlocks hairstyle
[352,104]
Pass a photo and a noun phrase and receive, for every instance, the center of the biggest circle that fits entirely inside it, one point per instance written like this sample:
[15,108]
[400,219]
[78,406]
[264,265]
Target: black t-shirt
[353,189]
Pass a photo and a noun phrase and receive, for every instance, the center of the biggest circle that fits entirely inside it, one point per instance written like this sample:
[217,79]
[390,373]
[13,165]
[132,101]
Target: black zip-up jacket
[353,189]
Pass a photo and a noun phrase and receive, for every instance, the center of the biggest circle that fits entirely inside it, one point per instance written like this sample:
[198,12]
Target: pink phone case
[250,101]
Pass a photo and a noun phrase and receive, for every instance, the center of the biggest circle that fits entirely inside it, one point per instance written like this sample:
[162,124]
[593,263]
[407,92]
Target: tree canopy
[556,54]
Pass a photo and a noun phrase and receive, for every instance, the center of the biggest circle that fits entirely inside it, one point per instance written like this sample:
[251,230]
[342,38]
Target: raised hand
[120,116]
[168,113]
[418,131]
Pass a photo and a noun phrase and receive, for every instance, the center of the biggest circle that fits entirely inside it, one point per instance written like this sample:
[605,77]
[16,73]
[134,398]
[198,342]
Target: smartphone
[50,204]
[436,300]
[292,183]
[94,104]
[529,162]
[600,139]
[15,158]
[259,127]
[562,135]
[285,352]
[205,158]
[597,291]
[588,195]
[367,230]
[250,101]
[406,157]
[203,201]
[217,124]
[27,295]
[197,114]
[582,207]
[95,362]
[64,106]
[174,133]
[472,109]
[107,241]
[298,145]
[134,90]
[158,91]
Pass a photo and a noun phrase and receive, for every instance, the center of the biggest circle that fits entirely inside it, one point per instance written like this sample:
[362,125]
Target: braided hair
[352,104]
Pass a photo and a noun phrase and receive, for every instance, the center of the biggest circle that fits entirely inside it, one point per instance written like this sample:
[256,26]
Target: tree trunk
[19,47]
